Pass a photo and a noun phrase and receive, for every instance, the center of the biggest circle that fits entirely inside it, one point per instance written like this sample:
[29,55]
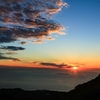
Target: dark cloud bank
[28,19]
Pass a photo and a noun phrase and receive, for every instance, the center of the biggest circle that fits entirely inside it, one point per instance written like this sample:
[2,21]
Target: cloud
[37,42]
[13,48]
[11,53]
[16,59]
[56,65]
[23,42]
[2,57]
[35,62]
[8,58]
[62,65]
[50,38]
[8,53]
[4,38]
[29,19]
[53,64]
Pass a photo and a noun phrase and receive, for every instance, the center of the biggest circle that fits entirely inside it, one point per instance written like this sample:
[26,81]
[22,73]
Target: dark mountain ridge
[19,94]
[86,91]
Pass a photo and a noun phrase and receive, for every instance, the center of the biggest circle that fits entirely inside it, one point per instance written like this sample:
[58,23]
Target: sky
[49,34]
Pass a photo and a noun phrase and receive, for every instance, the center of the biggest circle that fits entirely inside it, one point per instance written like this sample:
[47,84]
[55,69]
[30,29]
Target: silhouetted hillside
[86,91]
[19,94]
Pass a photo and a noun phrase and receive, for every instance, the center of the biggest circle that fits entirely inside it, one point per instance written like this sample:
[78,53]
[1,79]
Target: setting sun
[75,68]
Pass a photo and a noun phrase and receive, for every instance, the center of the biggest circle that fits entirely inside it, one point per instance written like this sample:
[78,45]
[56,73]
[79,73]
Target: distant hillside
[86,91]
[19,94]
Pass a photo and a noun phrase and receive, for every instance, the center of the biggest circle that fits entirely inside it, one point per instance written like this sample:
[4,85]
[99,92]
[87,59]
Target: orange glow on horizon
[74,69]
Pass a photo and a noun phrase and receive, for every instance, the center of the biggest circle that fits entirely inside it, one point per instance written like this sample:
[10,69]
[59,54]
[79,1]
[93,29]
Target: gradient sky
[32,34]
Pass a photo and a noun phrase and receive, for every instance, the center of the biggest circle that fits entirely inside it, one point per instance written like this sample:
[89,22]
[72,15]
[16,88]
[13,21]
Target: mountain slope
[86,91]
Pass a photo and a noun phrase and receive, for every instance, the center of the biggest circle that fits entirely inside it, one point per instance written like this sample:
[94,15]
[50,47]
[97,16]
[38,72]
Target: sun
[75,68]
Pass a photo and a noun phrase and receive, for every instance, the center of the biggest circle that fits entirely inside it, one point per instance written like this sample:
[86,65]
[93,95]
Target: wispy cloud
[56,65]
[53,64]
[23,42]
[12,48]
[50,38]
[37,42]
[9,50]
[9,53]
[8,58]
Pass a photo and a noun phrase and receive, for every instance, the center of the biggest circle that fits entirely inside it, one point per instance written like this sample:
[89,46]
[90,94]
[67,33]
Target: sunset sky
[50,33]
[73,39]
[49,44]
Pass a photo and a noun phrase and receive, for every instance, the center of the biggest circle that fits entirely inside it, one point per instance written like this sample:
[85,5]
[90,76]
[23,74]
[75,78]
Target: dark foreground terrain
[86,91]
